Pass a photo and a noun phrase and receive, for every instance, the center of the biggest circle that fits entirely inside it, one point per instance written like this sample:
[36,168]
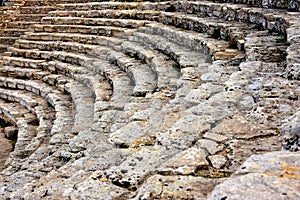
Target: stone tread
[36,10]
[60,102]
[20,24]
[14,32]
[222,112]
[17,72]
[22,62]
[31,17]
[101,5]
[122,85]
[73,37]
[83,101]
[190,39]
[125,23]
[143,76]
[167,74]
[8,40]
[183,56]
[13,111]
[95,30]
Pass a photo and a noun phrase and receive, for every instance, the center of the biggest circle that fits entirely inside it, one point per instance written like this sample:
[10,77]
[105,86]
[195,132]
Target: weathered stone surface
[180,187]
[151,100]
[273,175]
[291,133]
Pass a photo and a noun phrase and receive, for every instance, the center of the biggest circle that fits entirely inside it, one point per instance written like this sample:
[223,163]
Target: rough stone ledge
[270,176]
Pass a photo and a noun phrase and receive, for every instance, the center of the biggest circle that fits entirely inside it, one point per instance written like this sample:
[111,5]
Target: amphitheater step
[73,37]
[83,100]
[184,57]
[20,24]
[94,30]
[7,40]
[166,70]
[12,32]
[125,23]
[142,75]
[37,10]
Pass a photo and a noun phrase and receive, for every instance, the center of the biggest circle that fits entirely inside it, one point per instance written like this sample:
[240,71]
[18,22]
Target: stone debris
[150,100]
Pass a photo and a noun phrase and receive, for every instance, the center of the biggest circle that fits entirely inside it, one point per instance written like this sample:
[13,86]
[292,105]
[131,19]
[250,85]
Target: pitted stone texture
[176,187]
[185,163]
[268,176]
[291,133]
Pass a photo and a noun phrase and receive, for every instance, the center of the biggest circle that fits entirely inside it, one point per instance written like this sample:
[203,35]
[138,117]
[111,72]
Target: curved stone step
[22,62]
[39,108]
[143,76]
[73,37]
[124,23]
[122,85]
[183,56]
[26,131]
[167,72]
[189,39]
[12,32]
[20,24]
[50,2]
[30,17]
[273,20]
[36,10]
[93,30]
[83,101]
[101,5]
[59,101]
[290,5]
[8,40]
[24,73]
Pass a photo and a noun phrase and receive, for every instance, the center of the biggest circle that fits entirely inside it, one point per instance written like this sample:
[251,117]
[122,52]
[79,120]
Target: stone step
[93,30]
[214,27]
[122,85]
[7,40]
[53,46]
[14,111]
[26,131]
[101,6]
[22,62]
[68,57]
[83,100]
[166,70]
[97,83]
[261,46]
[125,23]
[290,5]
[37,10]
[24,73]
[20,24]
[62,126]
[273,20]
[20,97]
[3,47]
[73,37]
[30,17]
[143,76]
[51,2]
[183,56]
[114,14]
[102,91]
[12,32]
[189,39]
[218,49]
[38,107]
